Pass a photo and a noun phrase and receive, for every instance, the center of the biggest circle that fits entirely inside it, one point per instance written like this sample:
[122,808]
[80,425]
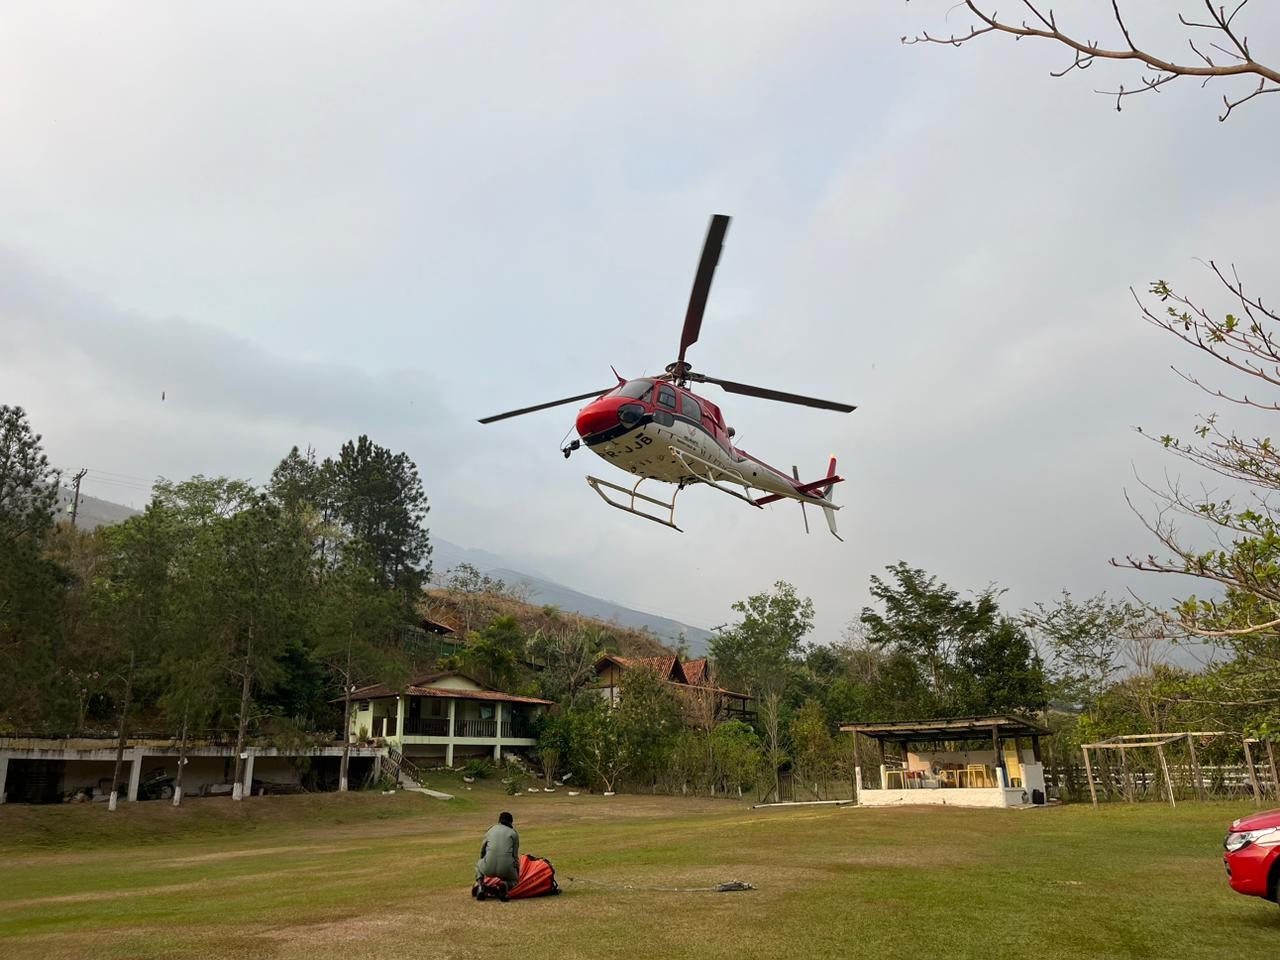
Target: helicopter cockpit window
[666,397]
[635,389]
[690,409]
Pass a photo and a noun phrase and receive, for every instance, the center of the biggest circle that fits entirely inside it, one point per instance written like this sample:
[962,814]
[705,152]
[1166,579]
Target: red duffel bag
[537,879]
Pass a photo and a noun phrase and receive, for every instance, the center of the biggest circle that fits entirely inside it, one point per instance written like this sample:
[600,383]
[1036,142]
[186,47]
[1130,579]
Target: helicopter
[657,428]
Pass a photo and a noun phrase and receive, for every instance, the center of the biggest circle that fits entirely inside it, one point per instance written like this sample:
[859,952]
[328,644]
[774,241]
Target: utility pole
[75,503]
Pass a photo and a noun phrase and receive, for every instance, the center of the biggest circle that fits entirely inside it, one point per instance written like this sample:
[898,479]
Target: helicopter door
[665,413]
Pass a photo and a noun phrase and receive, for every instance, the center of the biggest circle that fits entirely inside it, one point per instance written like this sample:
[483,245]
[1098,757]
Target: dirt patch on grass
[345,930]
[259,852]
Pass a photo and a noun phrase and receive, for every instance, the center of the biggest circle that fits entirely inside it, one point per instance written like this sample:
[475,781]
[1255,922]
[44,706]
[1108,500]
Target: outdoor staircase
[407,775]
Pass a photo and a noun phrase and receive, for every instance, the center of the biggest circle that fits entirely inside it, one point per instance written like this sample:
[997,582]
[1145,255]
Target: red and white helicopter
[658,429]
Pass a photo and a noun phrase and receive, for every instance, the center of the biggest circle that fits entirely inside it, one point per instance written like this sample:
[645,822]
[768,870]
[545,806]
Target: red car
[1253,855]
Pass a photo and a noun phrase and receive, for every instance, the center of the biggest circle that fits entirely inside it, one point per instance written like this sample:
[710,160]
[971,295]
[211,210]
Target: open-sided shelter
[991,761]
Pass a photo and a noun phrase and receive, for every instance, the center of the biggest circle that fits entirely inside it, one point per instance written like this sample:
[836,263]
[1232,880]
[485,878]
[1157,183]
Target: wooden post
[1168,782]
[1088,775]
[1035,747]
[1128,777]
[995,743]
[1253,775]
[1271,759]
[1196,773]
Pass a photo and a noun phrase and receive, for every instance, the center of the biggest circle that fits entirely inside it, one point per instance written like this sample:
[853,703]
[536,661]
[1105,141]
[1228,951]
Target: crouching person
[500,853]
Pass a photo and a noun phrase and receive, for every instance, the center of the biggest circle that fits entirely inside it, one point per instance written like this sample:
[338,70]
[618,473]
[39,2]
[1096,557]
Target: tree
[813,747]
[1221,38]
[28,485]
[774,750]
[1086,641]
[258,568]
[648,720]
[737,755]
[379,500]
[134,605]
[600,750]
[972,659]
[492,654]
[758,651]
[1001,672]
[31,584]
[353,628]
[1241,572]
[568,659]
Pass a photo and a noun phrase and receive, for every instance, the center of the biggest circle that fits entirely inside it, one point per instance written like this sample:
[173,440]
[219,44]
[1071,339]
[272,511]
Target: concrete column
[135,773]
[4,775]
[448,747]
[857,782]
[247,789]
[884,777]
[497,747]
[1000,781]
[400,719]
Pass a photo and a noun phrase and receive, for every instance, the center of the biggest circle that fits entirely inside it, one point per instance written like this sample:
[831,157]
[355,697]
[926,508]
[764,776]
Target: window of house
[486,711]
[437,707]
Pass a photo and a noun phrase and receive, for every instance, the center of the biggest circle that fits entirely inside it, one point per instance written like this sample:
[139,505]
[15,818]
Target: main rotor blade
[750,391]
[544,406]
[702,282]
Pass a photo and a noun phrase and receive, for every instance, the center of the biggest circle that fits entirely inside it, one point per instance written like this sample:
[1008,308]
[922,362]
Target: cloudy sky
[305,221]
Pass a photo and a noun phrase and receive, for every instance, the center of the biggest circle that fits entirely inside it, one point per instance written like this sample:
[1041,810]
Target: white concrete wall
[960,797]
[456,683]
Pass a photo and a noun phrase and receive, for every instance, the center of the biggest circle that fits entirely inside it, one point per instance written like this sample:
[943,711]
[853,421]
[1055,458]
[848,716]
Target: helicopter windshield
[635,389]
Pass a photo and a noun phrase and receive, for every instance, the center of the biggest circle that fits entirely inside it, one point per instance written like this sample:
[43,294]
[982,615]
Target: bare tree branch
[1044,26]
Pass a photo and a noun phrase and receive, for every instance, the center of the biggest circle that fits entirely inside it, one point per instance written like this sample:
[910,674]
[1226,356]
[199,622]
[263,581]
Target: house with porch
[689,677]
[443,717]
[989,761]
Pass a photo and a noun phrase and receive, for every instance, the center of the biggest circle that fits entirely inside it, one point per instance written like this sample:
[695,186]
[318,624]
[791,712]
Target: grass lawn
[367,875]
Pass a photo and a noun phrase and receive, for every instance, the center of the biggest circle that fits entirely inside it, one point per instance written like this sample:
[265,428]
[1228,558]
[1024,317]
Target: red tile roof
[695,671]
[422,687]
[668,668]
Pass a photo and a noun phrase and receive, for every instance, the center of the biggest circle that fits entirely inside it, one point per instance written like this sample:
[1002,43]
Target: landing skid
[632,494]
[714,476]
[631,500]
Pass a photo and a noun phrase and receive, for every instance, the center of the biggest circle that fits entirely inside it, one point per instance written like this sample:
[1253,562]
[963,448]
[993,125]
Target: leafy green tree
[379,500]
[353,627]
[31,584]
[648,721]
[492,654]
[972,658]
[756,654]
[812,746]
[599,752]
[738,755]
[260,574]
[1085,641]
[134,604]
[1000,672]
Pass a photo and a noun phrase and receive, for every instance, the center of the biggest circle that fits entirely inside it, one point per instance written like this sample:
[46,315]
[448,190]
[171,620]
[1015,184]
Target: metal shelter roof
[949,728]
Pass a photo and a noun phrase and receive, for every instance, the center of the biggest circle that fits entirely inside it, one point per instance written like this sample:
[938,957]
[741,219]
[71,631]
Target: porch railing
[426,726]
[518,729]
[475,728]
